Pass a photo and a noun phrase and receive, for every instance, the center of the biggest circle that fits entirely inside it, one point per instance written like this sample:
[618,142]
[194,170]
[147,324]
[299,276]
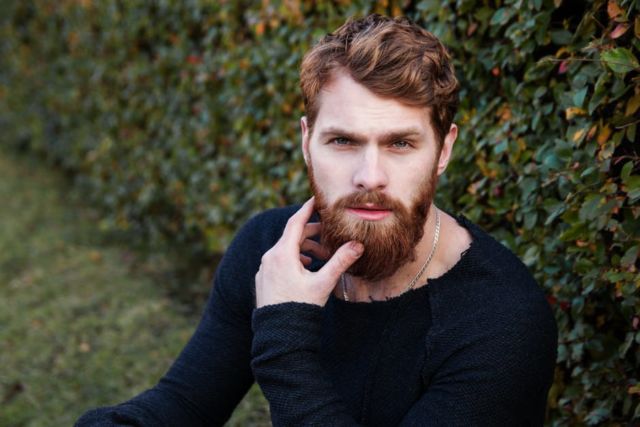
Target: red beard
[389,243]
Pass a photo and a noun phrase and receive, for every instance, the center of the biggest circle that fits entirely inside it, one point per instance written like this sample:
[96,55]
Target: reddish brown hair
[392,57]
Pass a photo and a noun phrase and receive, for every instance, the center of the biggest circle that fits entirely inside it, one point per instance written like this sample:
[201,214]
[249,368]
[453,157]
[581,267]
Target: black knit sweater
[475,346]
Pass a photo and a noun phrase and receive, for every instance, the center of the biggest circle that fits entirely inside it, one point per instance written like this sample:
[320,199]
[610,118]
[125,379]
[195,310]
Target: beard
[389,243]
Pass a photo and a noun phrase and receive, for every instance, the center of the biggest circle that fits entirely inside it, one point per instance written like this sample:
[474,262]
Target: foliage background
[178,119]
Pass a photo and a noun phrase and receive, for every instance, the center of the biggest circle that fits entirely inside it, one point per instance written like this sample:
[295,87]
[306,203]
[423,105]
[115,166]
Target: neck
[360,290]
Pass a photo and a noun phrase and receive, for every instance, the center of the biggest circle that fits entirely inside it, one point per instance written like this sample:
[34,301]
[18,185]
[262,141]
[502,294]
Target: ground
[83,319]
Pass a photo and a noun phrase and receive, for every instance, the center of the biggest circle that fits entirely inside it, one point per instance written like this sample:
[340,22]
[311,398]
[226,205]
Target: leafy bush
[179,119]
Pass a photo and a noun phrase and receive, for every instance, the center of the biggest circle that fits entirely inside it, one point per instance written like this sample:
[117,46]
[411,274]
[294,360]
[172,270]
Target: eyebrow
[386,137]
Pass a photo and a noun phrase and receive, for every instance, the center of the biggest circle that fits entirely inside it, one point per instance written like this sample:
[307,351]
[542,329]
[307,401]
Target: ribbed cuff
[286,327]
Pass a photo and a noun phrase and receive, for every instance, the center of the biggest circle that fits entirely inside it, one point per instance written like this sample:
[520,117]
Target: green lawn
[83,322]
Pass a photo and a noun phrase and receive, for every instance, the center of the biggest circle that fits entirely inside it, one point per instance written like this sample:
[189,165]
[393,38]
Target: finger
[311,229]
[305,260]
[315,249]
[295,226]
[344,257]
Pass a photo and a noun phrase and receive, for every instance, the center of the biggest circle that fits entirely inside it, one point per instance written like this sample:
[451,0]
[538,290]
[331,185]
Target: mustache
[360,198]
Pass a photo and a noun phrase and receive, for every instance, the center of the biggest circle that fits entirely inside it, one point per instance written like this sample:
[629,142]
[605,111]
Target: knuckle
[343,262]
[291,221]
[267,258]
[272,256]
[342,265]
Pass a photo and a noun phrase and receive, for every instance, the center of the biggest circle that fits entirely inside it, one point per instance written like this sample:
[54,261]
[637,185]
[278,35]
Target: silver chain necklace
[413,282]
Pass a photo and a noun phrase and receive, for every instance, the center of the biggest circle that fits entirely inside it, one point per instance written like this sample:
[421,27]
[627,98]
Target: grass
[83,321]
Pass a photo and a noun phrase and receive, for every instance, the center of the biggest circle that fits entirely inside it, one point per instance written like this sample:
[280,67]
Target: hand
[282,276]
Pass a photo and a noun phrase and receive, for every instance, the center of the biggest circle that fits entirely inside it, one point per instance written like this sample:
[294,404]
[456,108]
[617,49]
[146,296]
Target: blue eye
[341,141]
[401,144]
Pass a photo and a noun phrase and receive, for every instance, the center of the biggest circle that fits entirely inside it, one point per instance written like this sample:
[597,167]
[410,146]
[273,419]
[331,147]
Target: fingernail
[357,248]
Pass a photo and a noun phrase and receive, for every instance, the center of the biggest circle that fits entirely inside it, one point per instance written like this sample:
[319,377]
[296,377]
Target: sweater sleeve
[492,363]
[213,372]
[286,364]
[499,375]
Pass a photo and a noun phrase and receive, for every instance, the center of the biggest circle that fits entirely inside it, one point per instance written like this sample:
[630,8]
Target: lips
[370,212]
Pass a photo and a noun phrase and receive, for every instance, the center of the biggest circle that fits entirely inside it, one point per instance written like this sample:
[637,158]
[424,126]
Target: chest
[374,355]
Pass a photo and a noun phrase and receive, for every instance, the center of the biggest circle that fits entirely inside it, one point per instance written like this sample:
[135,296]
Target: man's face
[373,164]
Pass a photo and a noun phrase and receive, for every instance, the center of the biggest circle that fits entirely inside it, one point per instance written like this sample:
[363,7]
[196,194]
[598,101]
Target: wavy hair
[392,57]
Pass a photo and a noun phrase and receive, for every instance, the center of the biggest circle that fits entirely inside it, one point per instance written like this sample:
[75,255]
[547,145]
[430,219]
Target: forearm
[151,408]
[203,385]
[286,363]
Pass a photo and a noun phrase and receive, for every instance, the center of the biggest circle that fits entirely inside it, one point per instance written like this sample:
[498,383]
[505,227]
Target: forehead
[344,103]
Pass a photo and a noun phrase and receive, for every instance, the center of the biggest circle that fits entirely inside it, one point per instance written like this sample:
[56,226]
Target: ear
[447,148]
[304,128]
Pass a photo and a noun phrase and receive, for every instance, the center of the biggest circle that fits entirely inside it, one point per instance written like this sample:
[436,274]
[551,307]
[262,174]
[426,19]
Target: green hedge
[180,120]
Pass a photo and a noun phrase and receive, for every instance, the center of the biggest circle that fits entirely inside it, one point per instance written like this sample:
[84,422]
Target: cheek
[408,185]
[331,179]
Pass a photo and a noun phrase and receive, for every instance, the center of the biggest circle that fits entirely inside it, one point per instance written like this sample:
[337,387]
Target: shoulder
[235,275]
[257,236]
[263,230]
[489,263]
[492,326]
[490,289]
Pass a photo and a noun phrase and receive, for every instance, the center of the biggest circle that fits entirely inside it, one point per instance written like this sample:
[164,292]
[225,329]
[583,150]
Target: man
[399,313]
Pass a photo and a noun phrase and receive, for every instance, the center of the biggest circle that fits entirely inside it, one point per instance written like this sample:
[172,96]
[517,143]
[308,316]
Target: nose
[370,174]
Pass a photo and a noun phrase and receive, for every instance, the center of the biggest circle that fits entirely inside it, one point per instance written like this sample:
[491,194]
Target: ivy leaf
[626,170]
[571,112]
[620,60]
[502,16]
[619,31]
[597,416]
[633,187]
[561,37]
[578,135]
[630,256]
[531,256]
[578,98]
[554,210]
[599,92]
[613,10]
[626,345]
[590,208]
[632,105]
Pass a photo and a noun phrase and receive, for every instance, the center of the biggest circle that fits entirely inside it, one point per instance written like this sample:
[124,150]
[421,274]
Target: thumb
[344,257]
